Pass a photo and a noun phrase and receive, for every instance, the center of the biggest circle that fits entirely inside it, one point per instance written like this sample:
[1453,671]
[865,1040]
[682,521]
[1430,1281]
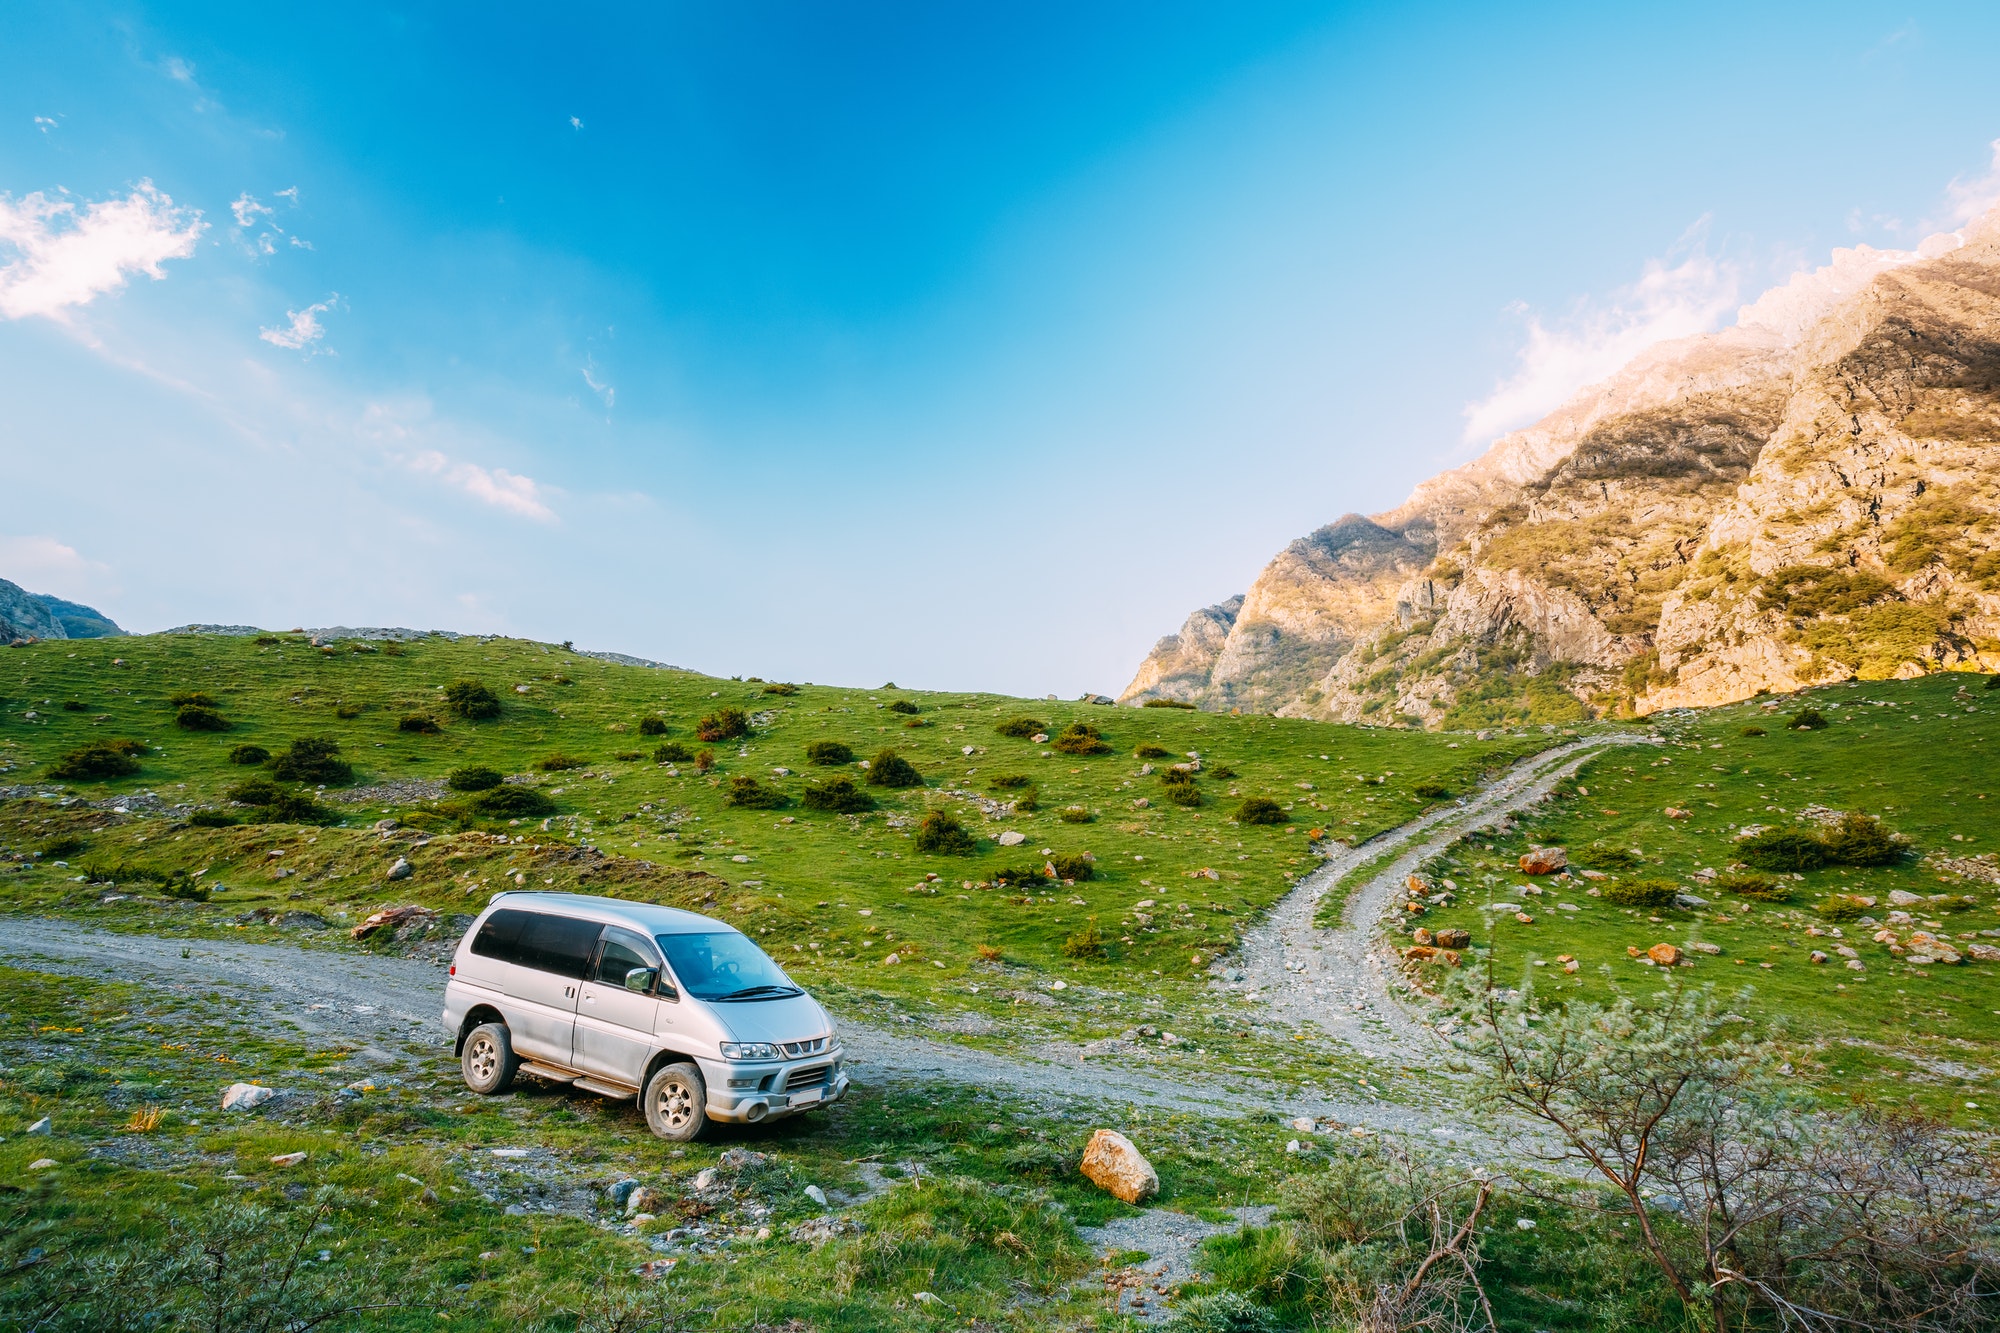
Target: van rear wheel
[676,1103]
[488,1059]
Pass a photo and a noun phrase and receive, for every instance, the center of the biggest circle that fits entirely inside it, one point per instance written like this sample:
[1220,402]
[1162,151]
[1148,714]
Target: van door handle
[569,992]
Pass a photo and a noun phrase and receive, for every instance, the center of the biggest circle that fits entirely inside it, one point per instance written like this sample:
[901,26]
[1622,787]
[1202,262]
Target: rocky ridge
[28,615]
[1806,496]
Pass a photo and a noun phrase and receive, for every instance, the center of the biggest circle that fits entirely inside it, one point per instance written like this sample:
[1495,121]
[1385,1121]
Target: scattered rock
[396,917]
[620,1192]
[1544,860]
[43,1164]
[1012,838]
[643,1199]
[1115,1165]
[705,1179]
[1703,946]
[1816,956]
[1453,938]
[816,1194]
[288,1159]
[402,869]
[246,1096]
[1675,812]
[1421,936]
[736,1159]
[1904,898]
[1665,955]
[1982,953]
[42,1126]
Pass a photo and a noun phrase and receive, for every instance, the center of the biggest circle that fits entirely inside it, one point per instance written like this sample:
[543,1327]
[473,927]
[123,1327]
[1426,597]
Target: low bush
[1840,907]
[1027,800]
[1020,728]
[61,849]
[914,722]
[724,724]
[652,726]
[903,706]
[74,705]
[420,724]
[1153,752]
[1993,682]
[257,791]
[1019,876]
[1184,794]
[347,712]
[1166,703]
[194,717]
[1086,943]
[1760,888]
[94,763]
[249,754]
[1075,814]
[1222,1312]
[192,699]
[511,802]
[1806,719]
[474,777]
[781,689]
[829,754]
[1080,738]
[211,819]
[749,794]
[704,760]
[889,769]
[267,640]
[1648,893]
[839,796]
[313,760]
[291,807]
[1010,781]
[1222,772]
[471,700]
[1073,865]
[1599,857]
[1753,731]
[1786,849]
[1431,791]
[673,752]
[561,763]
[1261,810]
[938,834]
[629,756]
[1860,840]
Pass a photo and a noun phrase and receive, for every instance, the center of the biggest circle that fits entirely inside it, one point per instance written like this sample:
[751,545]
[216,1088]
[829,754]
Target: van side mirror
[641,979]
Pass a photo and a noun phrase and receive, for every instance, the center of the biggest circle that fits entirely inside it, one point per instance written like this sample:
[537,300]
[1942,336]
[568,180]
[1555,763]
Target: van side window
[622,952]
[558,944]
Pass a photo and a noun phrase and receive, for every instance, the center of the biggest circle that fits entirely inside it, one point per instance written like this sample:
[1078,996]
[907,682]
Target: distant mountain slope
[37,615]
[79,621]
[1811,494]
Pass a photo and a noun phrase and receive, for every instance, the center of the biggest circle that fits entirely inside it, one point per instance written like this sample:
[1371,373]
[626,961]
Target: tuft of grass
[839,796]
[1807,719]
[1020,728]
[1075,814]
[829,754]
[348,712]
[1150,751]
[673,752]
[1431,791]
[1010,781]
[191,699]
[75,706]
[211,819]
[474,777]
[472,701]
[1757,888]
[724,724]
[561,763]
[1074,866]
[652,726]
[889,769]
[58,849]
[1261,810]
[903,706]
[1085,943]
[195,717]
[782,689]
[248,754]
[1648,893]
[1167,703]
[1840,907]
[511,802]
[748,793]
[1597,856]
[939,834]
[704,760]
[420,724]
[1753,731]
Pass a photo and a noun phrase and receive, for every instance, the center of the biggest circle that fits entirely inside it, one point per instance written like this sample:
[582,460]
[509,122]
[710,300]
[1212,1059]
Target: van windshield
[725,966]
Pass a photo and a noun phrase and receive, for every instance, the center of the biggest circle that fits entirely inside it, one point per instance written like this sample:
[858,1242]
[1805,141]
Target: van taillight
[454,970]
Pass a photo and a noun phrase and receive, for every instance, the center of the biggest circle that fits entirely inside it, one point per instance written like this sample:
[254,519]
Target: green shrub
[1993,682]
[1651,893]
[61,849]
[74,705]
[471,700]
[1010,781]
[347,712]
[1075,814]
[781,689]
[1599,857]
[629,756]
[749,794]
[1785,849]
[1806,719]
[829,754]
[1840,907]
[889,769]
[1759,888]
[1153,752]
[211,819]
[903,706]
[673,752]
[313,759]
[512,802]
[915,722]
[839,796]
[724,724]
[292,807]
[1860,840]
[1261,810]
[249,754]
[194,717]
[1027,800]
[257,791]
[1021,728]
[474,777]
[1753,731]
[938,834]
[1019,875]
[1166,703]
[1431,791]
[1086,943]
[94,763]
[652,726]
[1222,1311]
[192,699]
[267,640]
[704,760]
[180,884]
[1222,772]
[561,763]
[1183,794]
[1073,865]
[421,724]
[1080,738]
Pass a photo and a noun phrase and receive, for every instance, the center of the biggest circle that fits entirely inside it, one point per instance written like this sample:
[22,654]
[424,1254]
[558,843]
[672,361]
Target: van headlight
[750,1050]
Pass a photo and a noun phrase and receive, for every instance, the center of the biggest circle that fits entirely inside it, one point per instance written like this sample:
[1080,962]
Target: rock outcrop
[37,615]
[1809,495]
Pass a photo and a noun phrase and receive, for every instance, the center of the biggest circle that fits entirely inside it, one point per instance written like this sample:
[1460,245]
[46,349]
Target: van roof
[646,918]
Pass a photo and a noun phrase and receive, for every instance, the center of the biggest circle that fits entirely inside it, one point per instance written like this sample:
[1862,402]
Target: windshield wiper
[748,991]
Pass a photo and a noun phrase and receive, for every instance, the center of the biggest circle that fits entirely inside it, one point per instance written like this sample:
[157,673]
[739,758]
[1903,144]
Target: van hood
[794,1018]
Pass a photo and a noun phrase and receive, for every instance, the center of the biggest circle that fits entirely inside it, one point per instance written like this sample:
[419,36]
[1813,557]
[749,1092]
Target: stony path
[1340,979]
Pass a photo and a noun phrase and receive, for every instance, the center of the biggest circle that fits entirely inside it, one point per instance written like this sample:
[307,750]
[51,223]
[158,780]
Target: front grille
[813,1077]
[797,1049]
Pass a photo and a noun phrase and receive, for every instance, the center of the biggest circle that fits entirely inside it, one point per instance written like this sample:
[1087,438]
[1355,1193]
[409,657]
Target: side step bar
[552,1075]
[601,1087]
[606,1089]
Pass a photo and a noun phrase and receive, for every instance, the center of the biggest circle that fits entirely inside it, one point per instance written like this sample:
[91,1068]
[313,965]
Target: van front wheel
[676,1103]
[488,1059]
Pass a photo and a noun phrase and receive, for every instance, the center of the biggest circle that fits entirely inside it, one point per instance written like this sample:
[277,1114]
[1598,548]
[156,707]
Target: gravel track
[1340,979]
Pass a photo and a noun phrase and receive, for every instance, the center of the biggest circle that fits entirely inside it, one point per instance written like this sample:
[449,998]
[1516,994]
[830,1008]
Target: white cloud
[63,256]
[304,329]
[1968,198]
[575,123]
[247,210]
[43,564]
[45,123]
[1596,338]
[601,388]
[495,486]
[177,69]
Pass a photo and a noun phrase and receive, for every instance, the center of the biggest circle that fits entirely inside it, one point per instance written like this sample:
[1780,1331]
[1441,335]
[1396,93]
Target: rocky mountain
[1808,495]
[37,615]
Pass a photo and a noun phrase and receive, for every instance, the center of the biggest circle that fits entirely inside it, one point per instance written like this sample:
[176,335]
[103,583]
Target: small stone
[1454,938]
[1059,985]
[402,869]
[1904,898]
[643,1199]
[1703,946]
[43,1164]
[41,1126]
[1305,1124]
[1012,838]
[705,1178]
[246,1096]
[1422,936]
[816,1194]
[1816,956]
[891,960]
[1665,955]
[1856,965]
[1544,860]
[288,1159]
[1114,1164]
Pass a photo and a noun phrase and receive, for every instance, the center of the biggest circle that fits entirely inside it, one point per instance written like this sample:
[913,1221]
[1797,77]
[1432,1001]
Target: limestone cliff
[1811,494]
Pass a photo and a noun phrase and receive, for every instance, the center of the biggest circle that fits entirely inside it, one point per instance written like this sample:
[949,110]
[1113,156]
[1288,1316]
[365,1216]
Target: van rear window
[558,944]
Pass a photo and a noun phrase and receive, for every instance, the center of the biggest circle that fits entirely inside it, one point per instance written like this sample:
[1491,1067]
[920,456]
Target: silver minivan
[628,999]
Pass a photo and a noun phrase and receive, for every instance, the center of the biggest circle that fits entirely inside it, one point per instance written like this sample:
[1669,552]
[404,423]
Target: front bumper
[753,1092]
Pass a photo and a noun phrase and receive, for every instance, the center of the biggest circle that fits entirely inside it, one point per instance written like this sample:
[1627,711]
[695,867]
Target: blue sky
[969,347]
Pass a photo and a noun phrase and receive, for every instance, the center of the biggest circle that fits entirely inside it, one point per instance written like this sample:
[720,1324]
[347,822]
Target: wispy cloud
[45,123]
[253,214]
[409,435]
[1967,197]
[602,388]
[575,122]
[495,486]
[43,564]
[304,329]
[1670,300]
[247,210]
[64,256]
